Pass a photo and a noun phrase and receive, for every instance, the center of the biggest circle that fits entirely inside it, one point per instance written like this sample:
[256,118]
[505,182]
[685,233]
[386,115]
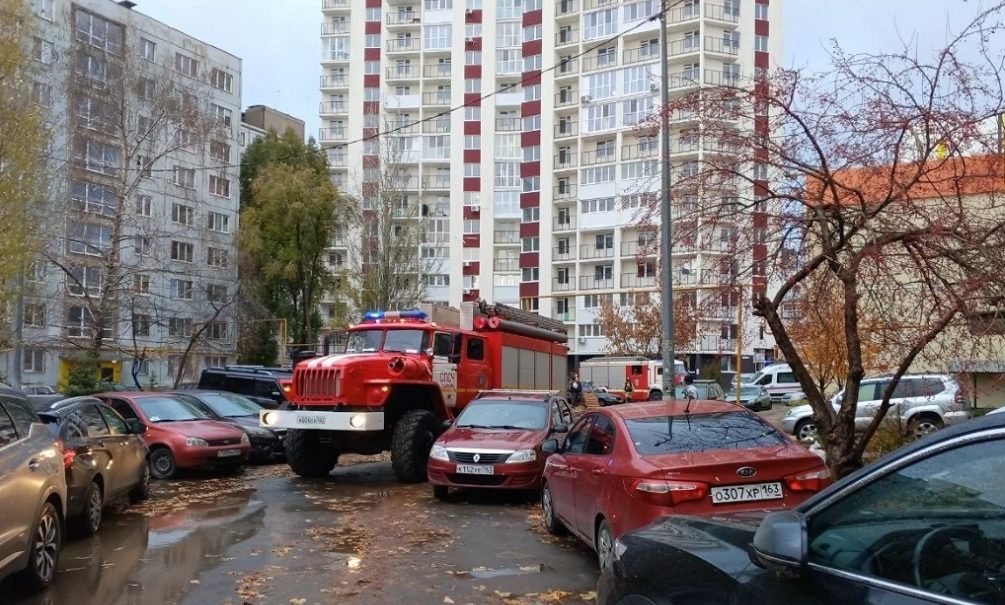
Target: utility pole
[666,216]
[739,339]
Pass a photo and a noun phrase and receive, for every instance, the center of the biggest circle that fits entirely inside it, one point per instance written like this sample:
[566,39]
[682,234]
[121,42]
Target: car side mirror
[136,427]
[560,428]
[780,542]
[550,446]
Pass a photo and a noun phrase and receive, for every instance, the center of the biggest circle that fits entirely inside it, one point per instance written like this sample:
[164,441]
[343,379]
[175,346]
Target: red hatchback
[179,434]
[495,442]
[624,466]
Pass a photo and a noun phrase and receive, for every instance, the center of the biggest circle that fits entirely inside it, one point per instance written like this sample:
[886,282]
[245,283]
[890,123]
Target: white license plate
[228,453]
[476,469]
[746,493]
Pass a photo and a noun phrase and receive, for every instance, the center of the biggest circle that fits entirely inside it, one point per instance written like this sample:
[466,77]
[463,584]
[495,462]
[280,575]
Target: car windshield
[169,409]
[229,405]
[503,414]
[396,341]
[748,391]
[700,432]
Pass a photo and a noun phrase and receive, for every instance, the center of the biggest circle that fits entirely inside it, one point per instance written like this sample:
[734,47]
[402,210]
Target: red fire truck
[646,375]
[402,376]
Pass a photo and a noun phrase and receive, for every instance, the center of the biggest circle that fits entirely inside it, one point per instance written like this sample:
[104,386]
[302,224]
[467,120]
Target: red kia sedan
[179,434]
[495,442]
[622,467]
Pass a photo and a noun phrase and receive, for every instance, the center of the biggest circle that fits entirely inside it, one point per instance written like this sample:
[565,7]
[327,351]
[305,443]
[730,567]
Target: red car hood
[491,439]
[203,429]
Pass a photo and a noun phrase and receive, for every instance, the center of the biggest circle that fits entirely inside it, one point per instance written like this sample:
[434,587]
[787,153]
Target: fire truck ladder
[518,321]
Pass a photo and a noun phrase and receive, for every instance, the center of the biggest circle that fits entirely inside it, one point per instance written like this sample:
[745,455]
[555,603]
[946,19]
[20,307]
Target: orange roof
[950,178]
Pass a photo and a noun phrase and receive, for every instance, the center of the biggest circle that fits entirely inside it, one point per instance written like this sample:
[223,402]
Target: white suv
[924,402]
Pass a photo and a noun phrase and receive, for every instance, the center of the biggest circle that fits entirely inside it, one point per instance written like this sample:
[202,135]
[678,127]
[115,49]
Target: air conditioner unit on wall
[654,87]
[467,263]
[581,340]
[585,99]
[475,207]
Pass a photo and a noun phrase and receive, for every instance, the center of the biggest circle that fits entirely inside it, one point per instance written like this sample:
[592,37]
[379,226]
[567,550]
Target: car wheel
[771,402]
[410,444]
[919,426]
[805,430]
[655,396]
[605,545]
[441,492]
[89,520]
[141,491]
[551,522]
[46,542]
[162,463]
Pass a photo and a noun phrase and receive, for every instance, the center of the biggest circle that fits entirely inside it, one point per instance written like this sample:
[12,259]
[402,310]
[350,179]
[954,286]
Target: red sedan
[179,434]
[622,467]
[496,440]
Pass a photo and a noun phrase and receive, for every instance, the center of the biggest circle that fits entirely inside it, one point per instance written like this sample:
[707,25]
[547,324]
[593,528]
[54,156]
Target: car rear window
[700,432]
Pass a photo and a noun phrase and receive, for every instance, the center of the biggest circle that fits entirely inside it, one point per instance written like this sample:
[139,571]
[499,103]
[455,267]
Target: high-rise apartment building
[517,123]
[143,209]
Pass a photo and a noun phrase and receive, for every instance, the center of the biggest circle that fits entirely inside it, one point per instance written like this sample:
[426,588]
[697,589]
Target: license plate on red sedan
[476,469]
[228,453]
[746,493]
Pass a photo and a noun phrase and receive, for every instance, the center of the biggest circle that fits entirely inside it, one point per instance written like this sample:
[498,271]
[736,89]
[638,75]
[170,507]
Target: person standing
[575,389]
[628,389]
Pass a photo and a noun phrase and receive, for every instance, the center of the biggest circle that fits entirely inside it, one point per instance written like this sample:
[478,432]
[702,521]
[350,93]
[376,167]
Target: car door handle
[34,464]
[599,471]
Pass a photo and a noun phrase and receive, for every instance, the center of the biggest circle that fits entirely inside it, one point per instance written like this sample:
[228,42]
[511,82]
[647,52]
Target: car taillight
[69,455]
[960,400]
[667,493]
[810,481]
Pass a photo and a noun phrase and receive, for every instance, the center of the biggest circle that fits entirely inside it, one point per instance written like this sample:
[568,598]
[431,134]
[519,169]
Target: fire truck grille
[318,384]
[469,458]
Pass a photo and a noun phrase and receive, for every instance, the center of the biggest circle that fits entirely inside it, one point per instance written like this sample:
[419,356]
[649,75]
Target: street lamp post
[666,216]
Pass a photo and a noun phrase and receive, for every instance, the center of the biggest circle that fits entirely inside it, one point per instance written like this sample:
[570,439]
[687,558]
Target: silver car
[33,493]
[924,403]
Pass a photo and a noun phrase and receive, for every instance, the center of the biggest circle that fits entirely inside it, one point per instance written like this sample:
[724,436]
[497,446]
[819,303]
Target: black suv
[257,383]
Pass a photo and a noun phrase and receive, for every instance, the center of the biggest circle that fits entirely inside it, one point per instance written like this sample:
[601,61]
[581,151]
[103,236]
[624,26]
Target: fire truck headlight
[522,456]
[269,418]
[357,421]
[438,452]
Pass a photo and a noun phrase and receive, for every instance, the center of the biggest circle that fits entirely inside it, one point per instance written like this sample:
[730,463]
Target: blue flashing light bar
[378,315]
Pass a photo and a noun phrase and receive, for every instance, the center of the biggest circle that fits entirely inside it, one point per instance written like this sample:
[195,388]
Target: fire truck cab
[401,376]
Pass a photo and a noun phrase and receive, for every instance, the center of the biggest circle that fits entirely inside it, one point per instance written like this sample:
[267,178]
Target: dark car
[262,385]
[495,442]
[266,444]
[32,493]
[926,524]
[604,398]
[104,457]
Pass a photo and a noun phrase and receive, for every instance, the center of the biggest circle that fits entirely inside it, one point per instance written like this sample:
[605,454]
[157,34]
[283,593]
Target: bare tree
[876,178]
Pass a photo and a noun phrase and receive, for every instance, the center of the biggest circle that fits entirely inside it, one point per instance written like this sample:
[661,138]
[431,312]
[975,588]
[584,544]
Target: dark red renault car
[496,440]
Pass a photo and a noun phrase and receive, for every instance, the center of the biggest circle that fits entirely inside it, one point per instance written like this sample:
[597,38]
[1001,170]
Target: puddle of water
[484,573]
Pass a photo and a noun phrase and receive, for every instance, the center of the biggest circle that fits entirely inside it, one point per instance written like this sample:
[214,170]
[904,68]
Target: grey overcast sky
[280,44]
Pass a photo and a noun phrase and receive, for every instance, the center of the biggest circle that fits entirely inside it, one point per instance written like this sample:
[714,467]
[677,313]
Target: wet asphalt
[268,537]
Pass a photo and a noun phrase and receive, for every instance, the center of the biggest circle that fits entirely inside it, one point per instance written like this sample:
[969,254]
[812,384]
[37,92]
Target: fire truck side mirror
[446,424]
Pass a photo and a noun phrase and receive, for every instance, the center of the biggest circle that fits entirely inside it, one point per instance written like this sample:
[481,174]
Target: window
[43,51]
[472,141]
[600,23]
[184,177]
[116,425]
[179,326]
[531,184]
[476,349]
[634,110]
[41,94]
[472,170]
[216,293]
[473,57]
[143,245]
[93,198]
[601,441]
[146,89]
[91,239]
[637,79]
[436,36]
[436,280]
[532,92]
[221,114]
[221,80]
[33,361]
[148,49]
[141,284]
[141,324]
[182,214]
[531,123]
[96,157]
[34,315]
[640,10]
[532,153]
[219,186]
[144,205]
[761,12]
[80,323]
[531,244]
[216,330]
[217,258]
[529,274]
[44,9]
[372,14]
[186,65]
[599,86]
[219,151]
[531,215]
[371,41]
[603,272]
[601,116]
[472,226]
[182,251]
[98,32]
[181,289]
[532,32]
[598,174]
[761,43]
[590,330]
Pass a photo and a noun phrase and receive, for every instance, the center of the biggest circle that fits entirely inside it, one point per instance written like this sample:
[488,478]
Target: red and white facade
[529,194]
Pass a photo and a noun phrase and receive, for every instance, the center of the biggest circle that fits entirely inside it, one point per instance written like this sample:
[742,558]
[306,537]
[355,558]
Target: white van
[778,380]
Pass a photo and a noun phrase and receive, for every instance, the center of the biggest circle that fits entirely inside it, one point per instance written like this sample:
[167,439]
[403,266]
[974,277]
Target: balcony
[506,238]
[506,265]
[438,98]
[335,55]
[598,62]
[686,46]
[567,223]
[437,126]
[338,160]
[590,252]
[335,27]
[722,78]
[563,253]
[508,125]
[402,72]
[439,70]
[718,12]
[565,8]
[631,280]
[565,161]
[403,45]
[329,107]
[566,315]
[592,158]
[567,67]
[327,5]
[566,129]
[714,343]
[333,133]
[566,97]
[638,55]
[719,313]
[594,282]
[721,46]
[565,192]
[403,126]
[568,36]
[684,79]
[334,81]
[437,181]
[637,248]
[402,18]
[639,151]
[559,284]
[436,153]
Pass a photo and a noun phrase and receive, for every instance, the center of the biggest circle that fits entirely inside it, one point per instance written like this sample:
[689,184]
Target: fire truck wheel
[307,456]
[410,444]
